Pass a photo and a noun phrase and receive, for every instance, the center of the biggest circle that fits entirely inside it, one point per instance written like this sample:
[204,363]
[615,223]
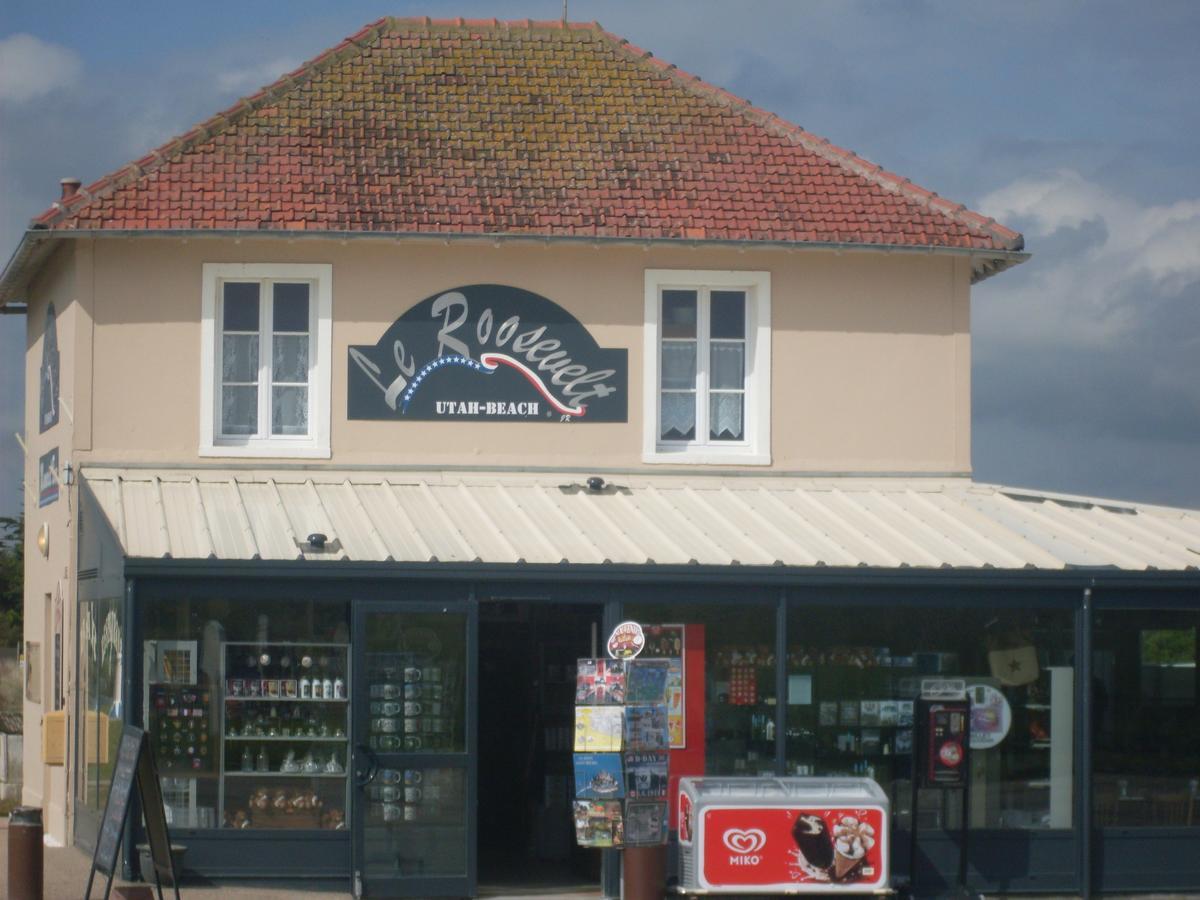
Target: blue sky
[1075,122]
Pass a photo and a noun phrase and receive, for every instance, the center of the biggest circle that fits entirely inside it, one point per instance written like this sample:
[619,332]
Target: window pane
[725,417]
[291,307]
[678,417]
[854,675]
[679,365]
[241,306]
[239,410]
[290,358]
[239,358]
[289,410]
[728,314]
[1146,718]
[204,654]
[679,314]
[727,364]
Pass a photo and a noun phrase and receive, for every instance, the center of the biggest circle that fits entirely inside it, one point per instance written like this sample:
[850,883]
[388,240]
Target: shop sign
[487,353]
[48,375]
[626,641]
[991,717]
[48,478]
[796,850]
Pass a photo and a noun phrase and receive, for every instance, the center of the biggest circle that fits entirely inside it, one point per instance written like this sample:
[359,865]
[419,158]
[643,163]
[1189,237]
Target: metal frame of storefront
[1083,591]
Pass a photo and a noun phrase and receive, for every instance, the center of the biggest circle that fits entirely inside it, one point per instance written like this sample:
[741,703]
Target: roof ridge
[823,147]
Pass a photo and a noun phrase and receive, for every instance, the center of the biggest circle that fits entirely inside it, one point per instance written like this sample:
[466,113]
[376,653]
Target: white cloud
[242,81]
[1094,295]
[31,68]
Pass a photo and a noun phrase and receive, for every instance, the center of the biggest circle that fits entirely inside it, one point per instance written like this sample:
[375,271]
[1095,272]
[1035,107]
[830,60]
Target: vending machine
[783,836]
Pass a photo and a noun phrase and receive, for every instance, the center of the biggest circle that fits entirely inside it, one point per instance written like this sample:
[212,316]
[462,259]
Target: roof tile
[486,127]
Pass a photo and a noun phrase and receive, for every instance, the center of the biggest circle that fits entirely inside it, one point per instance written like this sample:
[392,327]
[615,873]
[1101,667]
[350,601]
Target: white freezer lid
[787,791]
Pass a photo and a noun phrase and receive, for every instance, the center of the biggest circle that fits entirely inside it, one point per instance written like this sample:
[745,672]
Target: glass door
[414,734]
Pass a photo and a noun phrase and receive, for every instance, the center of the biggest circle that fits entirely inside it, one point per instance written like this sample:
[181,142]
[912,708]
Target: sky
[1073,121]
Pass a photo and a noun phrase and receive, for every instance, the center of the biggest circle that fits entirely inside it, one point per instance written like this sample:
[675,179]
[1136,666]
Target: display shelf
[303,739]
[285,664]
[239,774]
[229,699]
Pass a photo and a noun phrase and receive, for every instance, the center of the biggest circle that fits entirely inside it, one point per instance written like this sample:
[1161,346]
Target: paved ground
[65,871]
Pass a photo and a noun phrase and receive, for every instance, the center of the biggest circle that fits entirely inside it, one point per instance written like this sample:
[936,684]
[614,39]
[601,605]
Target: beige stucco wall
[50,580]
[870,351]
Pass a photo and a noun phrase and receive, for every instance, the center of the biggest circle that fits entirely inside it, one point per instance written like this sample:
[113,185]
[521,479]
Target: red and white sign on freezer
[764,849]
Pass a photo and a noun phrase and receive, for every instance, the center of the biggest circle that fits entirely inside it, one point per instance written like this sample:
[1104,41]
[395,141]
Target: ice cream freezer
[783,836]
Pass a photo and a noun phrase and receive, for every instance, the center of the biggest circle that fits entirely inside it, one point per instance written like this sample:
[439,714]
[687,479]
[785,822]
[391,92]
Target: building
[394,386]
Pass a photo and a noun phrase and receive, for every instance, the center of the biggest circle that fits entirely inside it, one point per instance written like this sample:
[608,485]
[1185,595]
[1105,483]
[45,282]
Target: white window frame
[755,449]
[314,445]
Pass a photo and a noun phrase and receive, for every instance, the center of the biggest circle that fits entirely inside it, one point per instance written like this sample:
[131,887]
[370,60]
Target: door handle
[364,777]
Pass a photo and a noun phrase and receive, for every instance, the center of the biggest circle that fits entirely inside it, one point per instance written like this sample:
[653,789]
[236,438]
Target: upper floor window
[266,335]
[708,364]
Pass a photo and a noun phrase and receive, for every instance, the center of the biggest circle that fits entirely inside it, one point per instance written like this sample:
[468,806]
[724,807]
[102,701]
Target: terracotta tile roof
[525,128]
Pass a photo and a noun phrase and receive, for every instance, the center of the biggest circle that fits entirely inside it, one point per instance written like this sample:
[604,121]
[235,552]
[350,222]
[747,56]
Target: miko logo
[744,845]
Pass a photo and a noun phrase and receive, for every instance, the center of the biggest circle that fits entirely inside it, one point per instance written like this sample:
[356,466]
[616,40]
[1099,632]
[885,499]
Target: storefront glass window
[1146,718]
[854,673]
[733,645]
[247,709]
[101,671]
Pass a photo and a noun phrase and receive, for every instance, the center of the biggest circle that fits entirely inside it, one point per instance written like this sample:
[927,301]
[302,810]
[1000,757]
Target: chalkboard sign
[135,764]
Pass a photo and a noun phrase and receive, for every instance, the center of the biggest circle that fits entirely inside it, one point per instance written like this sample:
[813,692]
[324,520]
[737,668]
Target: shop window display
[101,672]
[738,658]
[852,681]
[247,712]
[1146,719]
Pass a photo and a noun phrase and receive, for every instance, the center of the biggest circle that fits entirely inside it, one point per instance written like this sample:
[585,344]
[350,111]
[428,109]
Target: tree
[12,579]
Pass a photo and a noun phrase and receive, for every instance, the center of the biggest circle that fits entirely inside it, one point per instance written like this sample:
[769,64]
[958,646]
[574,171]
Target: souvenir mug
[412,795]
[389,776]
[386,742]
[411,726]
[387,792]
[411,742]
[392,812]
[386,726]
[412,674]
[410,814]
[413,776]
[412,708]
[385,691]
[412,692]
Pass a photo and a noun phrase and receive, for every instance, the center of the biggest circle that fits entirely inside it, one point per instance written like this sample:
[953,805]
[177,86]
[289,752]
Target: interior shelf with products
[284,735]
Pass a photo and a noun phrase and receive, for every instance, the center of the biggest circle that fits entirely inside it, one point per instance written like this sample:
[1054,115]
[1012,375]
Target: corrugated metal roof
[551,517]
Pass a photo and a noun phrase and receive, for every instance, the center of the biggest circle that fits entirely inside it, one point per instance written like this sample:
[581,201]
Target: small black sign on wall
[488,353]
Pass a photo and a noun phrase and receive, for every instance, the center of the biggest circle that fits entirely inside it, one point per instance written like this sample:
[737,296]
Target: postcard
[646,775]
[599,776]
[646,681]
[646,727]
[645,823]
[599,823]
[598,728]
[600,681]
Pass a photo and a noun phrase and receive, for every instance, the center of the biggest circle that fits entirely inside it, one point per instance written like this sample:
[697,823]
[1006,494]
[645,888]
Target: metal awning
[634,519]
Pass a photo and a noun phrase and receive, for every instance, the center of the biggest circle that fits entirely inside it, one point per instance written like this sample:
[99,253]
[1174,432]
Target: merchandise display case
[741,694]
[284,735]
